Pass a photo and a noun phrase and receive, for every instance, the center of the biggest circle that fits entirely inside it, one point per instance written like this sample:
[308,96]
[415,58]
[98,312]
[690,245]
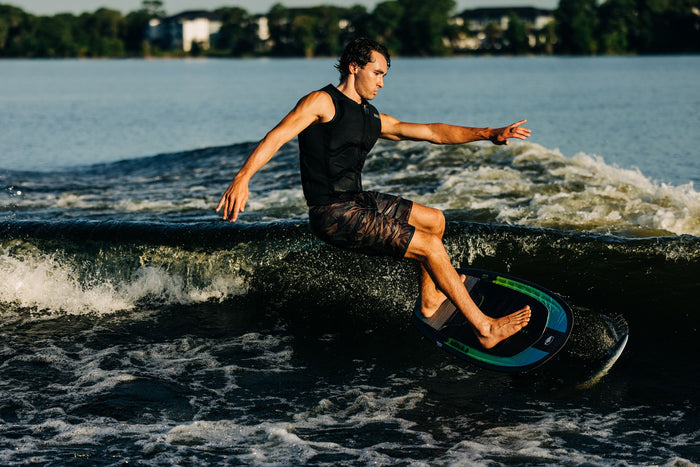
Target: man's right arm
[314,108]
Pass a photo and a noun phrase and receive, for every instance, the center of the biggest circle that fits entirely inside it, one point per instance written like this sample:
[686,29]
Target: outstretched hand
[501,135]
[234,199]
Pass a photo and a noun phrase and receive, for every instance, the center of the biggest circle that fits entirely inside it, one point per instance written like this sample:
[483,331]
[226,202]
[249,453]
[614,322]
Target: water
[634,112]
[138,327]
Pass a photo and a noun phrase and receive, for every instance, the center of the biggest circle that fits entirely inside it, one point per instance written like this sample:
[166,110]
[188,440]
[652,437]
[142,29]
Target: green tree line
[628,26]
[406,27]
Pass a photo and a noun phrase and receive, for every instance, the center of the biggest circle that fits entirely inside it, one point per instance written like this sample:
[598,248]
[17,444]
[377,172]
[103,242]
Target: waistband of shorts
[334,198]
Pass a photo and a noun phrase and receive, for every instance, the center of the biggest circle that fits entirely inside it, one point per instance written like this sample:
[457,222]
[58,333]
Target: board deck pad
[497,295]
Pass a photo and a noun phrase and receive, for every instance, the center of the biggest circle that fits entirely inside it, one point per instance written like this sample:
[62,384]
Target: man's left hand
[501,135]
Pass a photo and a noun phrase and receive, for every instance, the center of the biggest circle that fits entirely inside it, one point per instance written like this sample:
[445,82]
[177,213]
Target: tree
[667,26]
[102,32]
[313,31]
[494,36]
[153,8]
[516,36]
[14,24]
[303,27]
[54,36]
[423,26]
[617,19]
[409,27]
[134,32]
[384,24]
[576,20]
[10,18]
[238,33]
[548,38]
[326,30]
[359,21]
[684,20]
[280,30]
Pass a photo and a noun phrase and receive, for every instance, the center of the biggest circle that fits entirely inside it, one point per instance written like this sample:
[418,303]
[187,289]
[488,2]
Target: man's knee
[439,222]
[428,219]
[424,245]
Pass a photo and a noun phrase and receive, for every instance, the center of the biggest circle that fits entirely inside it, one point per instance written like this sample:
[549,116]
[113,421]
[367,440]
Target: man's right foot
[432,299]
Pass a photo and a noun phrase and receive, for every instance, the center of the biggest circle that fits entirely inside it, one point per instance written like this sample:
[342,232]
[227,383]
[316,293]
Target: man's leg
[429,250]
[432,221]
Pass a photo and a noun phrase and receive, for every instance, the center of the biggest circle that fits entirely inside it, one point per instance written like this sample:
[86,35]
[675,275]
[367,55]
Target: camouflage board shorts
[371,223]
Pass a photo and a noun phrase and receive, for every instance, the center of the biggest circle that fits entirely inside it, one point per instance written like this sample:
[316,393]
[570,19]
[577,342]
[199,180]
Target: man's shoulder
[320,103]
[327,92]
[319,95]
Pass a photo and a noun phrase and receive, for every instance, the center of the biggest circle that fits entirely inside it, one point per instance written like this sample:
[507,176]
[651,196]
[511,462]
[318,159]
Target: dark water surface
[136,326]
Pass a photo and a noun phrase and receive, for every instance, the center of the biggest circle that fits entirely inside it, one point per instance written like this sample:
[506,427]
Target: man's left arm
[442,133]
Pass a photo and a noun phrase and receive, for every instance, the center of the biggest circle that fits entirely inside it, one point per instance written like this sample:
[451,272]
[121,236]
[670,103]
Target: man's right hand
[316,107]
[234,199]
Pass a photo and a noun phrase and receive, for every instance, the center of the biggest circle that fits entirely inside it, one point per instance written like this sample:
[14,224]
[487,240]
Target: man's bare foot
[502,328]
[431,299]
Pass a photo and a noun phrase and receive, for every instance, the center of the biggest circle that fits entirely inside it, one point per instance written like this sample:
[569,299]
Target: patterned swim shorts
[371,223]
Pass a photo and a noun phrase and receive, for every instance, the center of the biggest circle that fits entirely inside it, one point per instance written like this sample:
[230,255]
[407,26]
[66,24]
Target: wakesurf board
[497,295]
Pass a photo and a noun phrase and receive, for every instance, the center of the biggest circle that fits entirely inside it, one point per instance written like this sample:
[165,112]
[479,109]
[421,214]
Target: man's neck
[347,87]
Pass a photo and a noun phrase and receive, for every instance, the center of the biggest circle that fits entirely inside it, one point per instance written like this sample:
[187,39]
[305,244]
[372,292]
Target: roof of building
[195,14]
[487,13]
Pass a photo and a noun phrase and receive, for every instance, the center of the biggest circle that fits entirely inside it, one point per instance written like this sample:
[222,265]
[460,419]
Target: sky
[51,7]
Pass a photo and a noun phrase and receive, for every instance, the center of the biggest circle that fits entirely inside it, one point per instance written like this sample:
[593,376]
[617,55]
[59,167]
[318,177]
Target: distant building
[479,18]
[477,22]
[181,31]
[263,28]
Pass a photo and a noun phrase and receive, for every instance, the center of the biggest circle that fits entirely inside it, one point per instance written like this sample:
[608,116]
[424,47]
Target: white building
[263,28]
[183,30]
[478,19]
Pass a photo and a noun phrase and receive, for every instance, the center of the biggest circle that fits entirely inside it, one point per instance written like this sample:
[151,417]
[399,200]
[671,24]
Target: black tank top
[332,154]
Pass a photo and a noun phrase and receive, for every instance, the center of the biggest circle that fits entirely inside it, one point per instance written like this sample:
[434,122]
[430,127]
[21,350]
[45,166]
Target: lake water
[138,327]
[633,111]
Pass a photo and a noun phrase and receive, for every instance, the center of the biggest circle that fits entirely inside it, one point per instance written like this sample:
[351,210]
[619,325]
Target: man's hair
[359,51]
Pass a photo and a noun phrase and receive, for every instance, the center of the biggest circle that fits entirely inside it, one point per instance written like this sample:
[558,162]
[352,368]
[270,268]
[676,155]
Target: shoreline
[327,57]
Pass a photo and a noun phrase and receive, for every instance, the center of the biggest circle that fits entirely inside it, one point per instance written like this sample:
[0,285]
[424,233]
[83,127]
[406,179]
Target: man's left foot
[431,300]
[502,328]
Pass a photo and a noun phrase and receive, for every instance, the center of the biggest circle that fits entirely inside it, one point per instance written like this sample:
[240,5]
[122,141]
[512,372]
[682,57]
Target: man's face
[370,78]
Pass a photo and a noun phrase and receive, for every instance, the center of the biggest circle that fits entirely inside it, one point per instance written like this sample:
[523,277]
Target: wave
[527,184]
[82,267]
[519,184]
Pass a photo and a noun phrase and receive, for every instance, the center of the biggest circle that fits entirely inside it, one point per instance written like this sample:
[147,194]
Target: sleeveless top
[332,154]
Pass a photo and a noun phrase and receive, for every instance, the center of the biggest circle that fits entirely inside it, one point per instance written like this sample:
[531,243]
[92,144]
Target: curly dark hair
[359,51]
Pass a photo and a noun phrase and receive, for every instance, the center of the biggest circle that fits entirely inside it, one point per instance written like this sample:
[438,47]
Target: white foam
[42,281]
[70,200]
[527,184]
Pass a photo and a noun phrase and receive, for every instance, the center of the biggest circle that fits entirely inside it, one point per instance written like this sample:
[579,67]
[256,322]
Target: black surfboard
[497,295]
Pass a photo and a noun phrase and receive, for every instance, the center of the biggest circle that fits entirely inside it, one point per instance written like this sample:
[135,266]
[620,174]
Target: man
[337,127]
